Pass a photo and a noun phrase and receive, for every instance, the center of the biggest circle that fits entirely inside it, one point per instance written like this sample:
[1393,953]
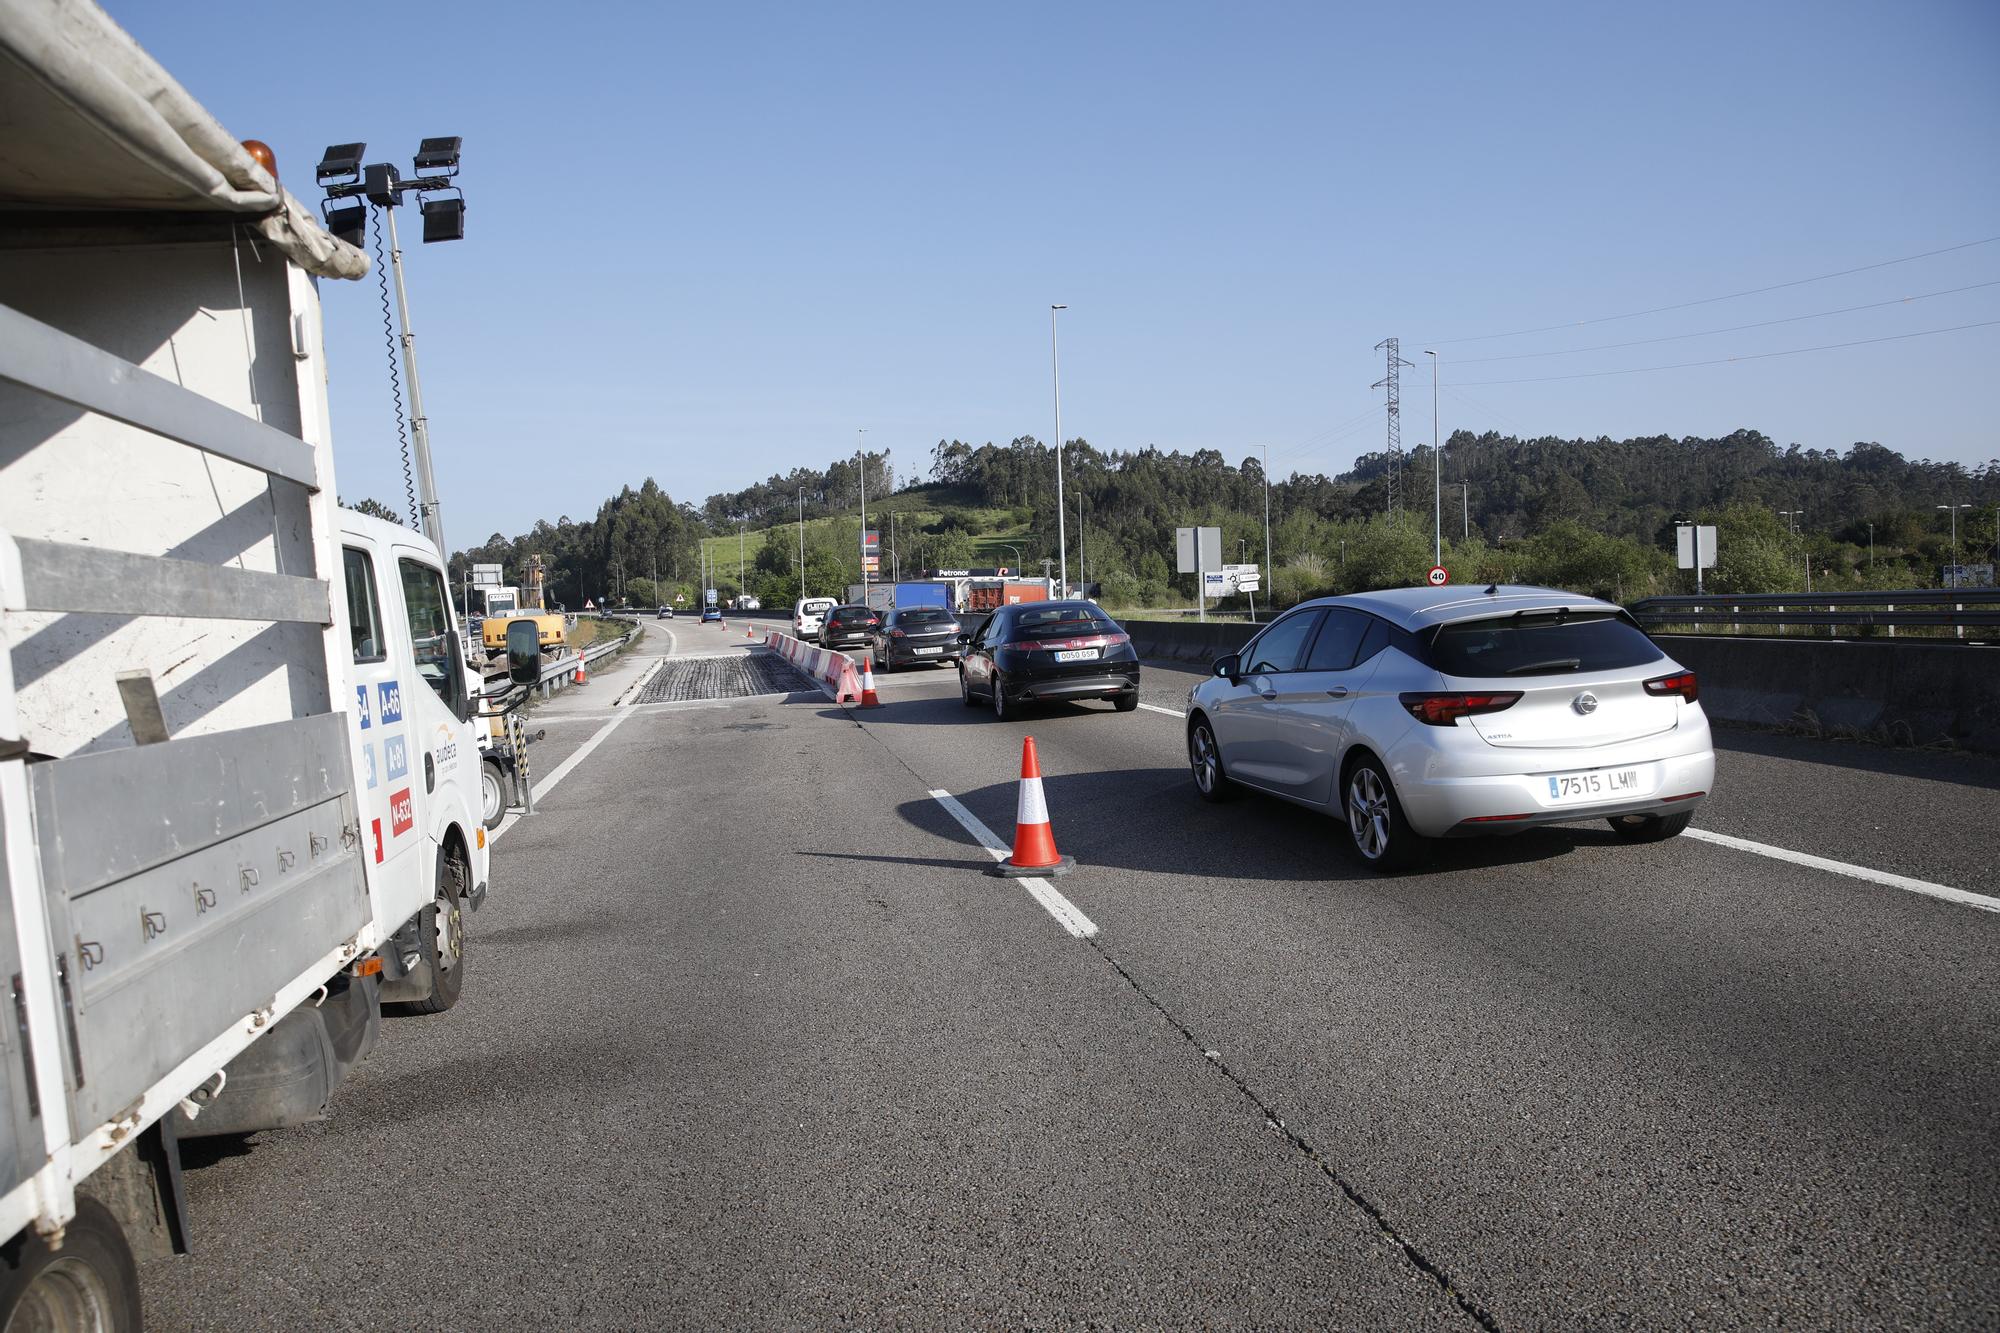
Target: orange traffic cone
[869,699]
[1034,841]
[582,676]
[749,633]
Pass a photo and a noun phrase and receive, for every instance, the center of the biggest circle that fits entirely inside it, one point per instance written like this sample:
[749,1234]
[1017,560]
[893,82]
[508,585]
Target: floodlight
[341,160]
[440,154]
[444,217]
[349,222]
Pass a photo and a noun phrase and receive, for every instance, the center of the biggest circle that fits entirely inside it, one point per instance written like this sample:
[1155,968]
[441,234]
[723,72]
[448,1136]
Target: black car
[846,626]
[917,636]
[1035,652]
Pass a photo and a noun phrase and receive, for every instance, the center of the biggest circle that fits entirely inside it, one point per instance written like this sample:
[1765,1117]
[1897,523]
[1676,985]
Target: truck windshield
[1552,643]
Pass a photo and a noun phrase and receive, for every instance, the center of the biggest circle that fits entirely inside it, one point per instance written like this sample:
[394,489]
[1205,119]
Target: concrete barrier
[1905,693]
[833,672]
[1186,640]
[1897,693]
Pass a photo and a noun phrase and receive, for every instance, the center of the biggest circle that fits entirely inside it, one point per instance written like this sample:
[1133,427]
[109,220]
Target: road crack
[1422,1262]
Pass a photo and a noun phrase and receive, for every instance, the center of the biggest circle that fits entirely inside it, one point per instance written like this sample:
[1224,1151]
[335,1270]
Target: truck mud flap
[287,1078]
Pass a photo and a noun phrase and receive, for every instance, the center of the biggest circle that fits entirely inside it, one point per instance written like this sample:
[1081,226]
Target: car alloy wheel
[1205,759]
[1368,816]
[1000,712]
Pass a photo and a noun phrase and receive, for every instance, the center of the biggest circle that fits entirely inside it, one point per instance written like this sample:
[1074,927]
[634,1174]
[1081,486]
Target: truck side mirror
[524,652]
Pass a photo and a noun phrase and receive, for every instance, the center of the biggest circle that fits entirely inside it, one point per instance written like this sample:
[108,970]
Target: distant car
[1042,652]
[849,626]
[809,614]
[665,613]
[917,636]
[1421,713]
[709,613]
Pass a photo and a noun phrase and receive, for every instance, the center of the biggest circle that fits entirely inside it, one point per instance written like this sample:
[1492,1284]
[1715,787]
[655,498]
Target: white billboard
[1695,541]
[1185,552]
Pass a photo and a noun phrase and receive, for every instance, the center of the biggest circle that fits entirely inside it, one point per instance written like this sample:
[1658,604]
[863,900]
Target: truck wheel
[441,936]
[492,794]
[90,1283]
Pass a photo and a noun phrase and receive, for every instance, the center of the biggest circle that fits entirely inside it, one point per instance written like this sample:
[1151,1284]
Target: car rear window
[923,617]
[853,613]
[1062,622]
[1556,643]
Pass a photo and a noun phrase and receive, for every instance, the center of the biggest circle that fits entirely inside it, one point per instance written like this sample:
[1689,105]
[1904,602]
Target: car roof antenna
[1492,588]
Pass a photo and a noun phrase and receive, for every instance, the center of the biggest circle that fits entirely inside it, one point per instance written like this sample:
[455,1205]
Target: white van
[808,615]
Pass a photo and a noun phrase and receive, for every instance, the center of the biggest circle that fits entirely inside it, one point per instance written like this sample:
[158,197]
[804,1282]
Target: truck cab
[415,750]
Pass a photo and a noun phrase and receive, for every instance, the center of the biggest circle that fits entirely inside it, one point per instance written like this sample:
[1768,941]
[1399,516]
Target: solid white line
[1062,909]
[563,770]
[1155,708]
[1904,882]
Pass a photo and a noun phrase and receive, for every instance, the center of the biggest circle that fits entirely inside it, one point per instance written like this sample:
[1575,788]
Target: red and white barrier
[834,672]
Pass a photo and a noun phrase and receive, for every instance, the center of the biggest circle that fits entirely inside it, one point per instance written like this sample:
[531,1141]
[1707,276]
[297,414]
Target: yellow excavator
[551,627]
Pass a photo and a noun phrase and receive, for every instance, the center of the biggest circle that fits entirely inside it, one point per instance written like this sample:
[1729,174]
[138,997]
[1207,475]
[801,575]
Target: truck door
[383,766]
[444,765]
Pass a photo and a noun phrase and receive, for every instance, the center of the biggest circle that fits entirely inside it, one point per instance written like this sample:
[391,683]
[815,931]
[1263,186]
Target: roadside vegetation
[1594,516]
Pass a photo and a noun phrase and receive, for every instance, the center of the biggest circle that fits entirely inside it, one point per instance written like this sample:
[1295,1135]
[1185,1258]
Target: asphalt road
[750,1039]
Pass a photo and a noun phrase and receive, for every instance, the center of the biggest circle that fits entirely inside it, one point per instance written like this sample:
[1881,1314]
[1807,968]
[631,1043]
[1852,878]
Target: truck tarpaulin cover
[93,122]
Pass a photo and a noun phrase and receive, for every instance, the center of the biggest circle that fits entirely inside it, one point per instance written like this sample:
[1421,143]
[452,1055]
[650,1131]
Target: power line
[1733,328]
[1727,360]
[1711,300]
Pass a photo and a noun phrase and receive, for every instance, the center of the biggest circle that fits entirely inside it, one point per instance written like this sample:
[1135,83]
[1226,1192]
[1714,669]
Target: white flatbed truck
[239,773]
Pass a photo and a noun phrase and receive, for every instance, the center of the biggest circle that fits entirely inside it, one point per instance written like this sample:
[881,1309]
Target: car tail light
[1052,645]
[1681,683]
[896,634]
[1444,710]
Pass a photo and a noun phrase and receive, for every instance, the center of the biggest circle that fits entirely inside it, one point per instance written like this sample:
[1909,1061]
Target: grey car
[1421,713]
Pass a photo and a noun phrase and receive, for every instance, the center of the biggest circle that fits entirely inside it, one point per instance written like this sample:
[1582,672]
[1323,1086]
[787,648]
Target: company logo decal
[361,703]
[443,748]
[396,754]
[392,701]
[402,813]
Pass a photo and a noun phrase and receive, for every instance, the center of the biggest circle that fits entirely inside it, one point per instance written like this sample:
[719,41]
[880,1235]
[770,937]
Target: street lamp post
[1465,511]
[1270,576]
[802,543]
[1437,468]
[1055,376]
[1017,555]
[1871,546]
[862,454]
[1953,511]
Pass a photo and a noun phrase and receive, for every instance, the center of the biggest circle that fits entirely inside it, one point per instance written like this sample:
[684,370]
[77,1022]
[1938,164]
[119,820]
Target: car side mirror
[524,653]
[1230,666]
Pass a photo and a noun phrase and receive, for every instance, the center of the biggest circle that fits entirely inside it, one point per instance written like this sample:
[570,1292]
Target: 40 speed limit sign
[1438,576]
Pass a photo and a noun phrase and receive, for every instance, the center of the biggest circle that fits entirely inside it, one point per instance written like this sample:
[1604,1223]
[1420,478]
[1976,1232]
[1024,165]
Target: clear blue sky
[706,242]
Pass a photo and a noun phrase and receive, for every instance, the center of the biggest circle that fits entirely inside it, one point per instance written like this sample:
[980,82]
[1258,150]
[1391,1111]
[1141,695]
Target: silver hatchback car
[1444,712]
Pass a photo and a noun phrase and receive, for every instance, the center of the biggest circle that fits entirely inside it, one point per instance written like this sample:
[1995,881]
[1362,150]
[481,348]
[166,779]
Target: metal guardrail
[1957,609]
[558,671]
